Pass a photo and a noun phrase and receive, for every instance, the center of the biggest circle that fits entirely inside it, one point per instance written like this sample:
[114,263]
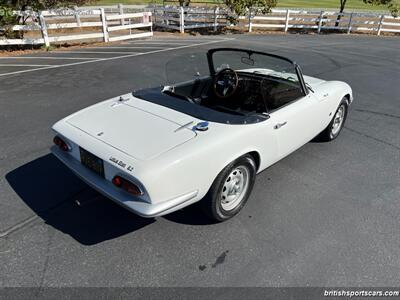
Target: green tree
[8,19]
[184,2]
[241,7]
[392,5]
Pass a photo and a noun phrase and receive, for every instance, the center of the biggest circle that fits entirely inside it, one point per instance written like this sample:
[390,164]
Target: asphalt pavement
[327,215]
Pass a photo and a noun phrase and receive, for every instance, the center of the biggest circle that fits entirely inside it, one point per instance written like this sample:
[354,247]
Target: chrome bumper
[130,202]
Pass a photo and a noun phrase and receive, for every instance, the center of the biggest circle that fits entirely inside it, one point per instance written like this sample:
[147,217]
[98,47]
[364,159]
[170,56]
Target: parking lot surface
[327,215]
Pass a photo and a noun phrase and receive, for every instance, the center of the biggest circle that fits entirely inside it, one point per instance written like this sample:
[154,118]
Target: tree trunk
[342,6]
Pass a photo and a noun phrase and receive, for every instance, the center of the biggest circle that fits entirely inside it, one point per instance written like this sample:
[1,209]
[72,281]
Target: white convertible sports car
[158,150]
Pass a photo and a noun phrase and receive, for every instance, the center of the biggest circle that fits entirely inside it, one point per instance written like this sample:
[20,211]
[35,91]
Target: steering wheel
[226,82]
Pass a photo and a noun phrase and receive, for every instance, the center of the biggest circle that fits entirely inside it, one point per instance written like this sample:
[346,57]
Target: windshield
[233,86]
[180,69]
[253,62]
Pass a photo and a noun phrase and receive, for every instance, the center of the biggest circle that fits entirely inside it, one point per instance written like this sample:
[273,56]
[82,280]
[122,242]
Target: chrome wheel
[235,188]
[338,120]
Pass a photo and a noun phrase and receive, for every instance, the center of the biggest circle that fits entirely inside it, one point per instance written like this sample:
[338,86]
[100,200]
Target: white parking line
[47,57]
[98,52]
[129,47]
[158,43]
[116,57]
[177,40]
[23,65]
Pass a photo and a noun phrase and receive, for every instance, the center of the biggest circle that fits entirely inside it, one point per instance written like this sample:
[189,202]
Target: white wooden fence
[120,22]
[46,27]
[183,18]
[126,23]
[322,20]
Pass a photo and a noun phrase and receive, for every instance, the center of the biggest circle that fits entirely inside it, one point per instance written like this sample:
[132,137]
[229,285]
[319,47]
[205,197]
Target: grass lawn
[332,4]
[351,4]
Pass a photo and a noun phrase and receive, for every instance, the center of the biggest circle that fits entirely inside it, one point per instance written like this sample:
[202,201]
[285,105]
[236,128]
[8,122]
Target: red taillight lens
[128,186]
[117,181]
[60,143]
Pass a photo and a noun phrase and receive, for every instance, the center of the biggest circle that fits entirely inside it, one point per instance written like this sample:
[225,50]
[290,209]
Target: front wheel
[332,131]
[230,189]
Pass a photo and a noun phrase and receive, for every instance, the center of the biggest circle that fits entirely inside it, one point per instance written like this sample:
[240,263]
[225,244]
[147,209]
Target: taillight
[61,144]
[117,181]
[128,186]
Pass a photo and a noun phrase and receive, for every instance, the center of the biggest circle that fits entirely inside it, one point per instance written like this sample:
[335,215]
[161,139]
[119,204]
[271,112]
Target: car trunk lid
[142,134]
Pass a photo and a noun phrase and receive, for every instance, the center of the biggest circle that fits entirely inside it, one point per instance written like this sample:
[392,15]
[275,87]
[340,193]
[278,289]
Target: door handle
[279,125]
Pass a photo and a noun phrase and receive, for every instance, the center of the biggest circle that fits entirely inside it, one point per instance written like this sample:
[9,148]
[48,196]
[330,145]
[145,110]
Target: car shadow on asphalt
[50,190]
[190,215]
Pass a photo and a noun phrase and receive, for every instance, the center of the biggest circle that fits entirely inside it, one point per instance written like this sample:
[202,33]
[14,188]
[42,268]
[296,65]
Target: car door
[296,123]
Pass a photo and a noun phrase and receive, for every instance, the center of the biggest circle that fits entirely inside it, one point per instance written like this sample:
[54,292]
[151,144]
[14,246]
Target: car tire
[336,125]
[230,190]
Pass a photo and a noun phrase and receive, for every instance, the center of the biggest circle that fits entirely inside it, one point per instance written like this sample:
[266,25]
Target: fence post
[182,20]
[146,19]
[153,21]
[43,28]
[121,12]
[104,22]
[287,20]
[250,24]
[216,11]
[167,20]
[77,16]
[380,24]
[321,15]
[349,26]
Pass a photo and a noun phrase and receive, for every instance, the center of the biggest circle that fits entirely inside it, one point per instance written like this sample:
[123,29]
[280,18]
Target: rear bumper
[132,203]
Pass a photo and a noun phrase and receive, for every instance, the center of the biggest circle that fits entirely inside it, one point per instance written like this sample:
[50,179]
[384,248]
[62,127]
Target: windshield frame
[299,73]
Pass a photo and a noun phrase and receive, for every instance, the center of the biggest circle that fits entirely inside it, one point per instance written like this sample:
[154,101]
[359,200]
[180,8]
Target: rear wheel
[332,131]
[230,189]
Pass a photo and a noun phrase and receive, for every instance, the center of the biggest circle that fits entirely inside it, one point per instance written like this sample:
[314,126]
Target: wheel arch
[253,153]
[257,159]
[337,90]
[348,97]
